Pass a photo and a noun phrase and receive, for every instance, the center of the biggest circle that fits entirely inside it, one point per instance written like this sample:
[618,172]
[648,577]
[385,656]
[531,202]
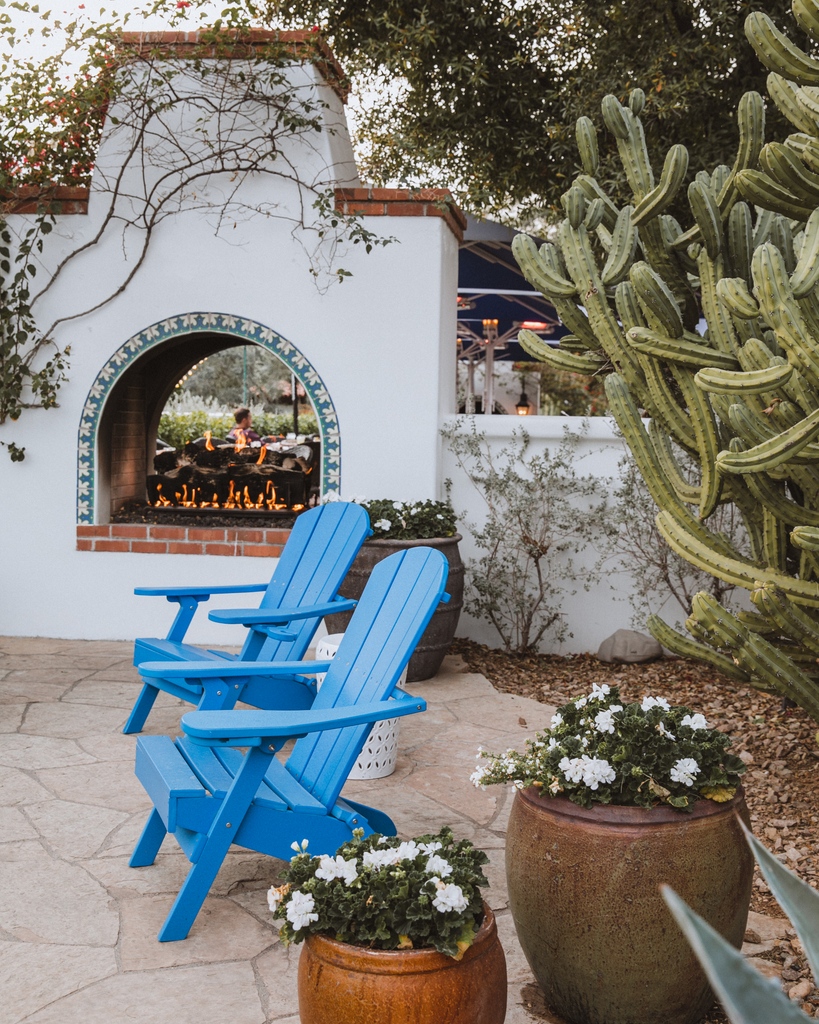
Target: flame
[241,439]
[262,455]
[208,443]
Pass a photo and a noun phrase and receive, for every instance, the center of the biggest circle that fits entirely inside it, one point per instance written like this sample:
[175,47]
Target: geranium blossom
[477,777]
[449,897]
[438,866]
[429,847]
[275,895]
[661,729]
[378,859]
[599,692]
[684,771]
[695,721]
[589,770]
[300,910]
[336,867]
[382,524]
[604,720]
[557,719]
[408,850]
[655,702]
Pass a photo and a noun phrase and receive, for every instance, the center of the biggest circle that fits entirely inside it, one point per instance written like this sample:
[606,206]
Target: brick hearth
[182,540]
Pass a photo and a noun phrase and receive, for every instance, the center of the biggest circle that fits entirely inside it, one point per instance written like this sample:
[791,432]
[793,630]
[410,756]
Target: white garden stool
[377,757]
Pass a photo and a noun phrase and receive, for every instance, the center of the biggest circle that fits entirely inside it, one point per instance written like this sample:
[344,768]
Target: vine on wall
[193,118]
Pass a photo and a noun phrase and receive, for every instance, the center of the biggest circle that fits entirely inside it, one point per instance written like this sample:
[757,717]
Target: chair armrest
[275,616]
[203,593]
[256,728]
[229,669]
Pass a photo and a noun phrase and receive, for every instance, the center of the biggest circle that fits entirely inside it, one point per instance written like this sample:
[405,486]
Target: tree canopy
[483,95]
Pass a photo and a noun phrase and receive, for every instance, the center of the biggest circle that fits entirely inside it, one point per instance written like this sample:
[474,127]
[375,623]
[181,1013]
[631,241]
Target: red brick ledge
[403,202]
[153,539]
[60,199]
[300,43]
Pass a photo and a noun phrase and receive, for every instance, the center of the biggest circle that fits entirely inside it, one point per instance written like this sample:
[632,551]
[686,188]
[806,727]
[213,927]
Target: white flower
[449,897]
[398,505]
[300,910]
[557,719]
[408,850]
[661,729]
[684,771]
[572,768]
[655,702]
[378,859]
[429,848]
[603,721]
[695,721]
[382,524]
[519,784]
[597,770]
[438,866]
[477,777]
[599,692]
[299,847]
[581,702]
[336,867]
[552,744]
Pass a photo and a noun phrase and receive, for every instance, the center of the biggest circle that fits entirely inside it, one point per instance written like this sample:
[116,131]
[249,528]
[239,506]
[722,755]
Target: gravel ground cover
[778,744]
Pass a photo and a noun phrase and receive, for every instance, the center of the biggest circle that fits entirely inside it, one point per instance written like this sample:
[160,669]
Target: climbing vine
[192,120]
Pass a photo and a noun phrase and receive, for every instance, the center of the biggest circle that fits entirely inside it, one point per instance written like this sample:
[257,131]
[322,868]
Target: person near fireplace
[243,429]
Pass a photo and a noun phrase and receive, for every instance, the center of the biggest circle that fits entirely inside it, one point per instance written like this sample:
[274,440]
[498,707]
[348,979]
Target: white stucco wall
[591,615]
[382,342]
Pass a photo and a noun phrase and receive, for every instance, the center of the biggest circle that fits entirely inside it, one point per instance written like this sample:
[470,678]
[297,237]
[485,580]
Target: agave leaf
[799,901]
[746,996]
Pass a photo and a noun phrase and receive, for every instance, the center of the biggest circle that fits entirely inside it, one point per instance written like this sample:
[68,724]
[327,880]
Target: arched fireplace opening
[122,475]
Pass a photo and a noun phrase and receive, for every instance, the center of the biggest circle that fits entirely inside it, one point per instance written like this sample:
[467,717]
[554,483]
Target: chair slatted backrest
[313,564]
[398,601]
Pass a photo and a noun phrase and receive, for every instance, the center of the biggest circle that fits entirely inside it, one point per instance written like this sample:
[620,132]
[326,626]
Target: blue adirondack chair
[209,795]
[304,588]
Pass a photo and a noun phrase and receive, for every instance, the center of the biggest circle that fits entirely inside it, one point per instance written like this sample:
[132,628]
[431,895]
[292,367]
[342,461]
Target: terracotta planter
[437,637]
[344,984]
[583,890]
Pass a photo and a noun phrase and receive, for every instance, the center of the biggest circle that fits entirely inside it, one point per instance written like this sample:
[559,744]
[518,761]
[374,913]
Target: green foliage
[177,428]
[540,514]
[383,893]
[563,393]
[409,520]
[746,996]
[599,750]
[223,375]
[484,94]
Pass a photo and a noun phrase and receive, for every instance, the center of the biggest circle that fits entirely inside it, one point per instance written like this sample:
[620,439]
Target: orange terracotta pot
[344,984]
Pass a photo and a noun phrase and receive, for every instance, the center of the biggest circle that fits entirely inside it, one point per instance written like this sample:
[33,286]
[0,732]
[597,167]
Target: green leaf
[746,996]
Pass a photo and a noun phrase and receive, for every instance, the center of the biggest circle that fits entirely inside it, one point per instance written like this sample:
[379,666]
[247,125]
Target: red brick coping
[57,199]
[403,202]
[150,538]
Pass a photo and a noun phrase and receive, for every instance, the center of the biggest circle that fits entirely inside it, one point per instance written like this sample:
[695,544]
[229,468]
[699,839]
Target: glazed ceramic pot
[340,983]
[436,638]
[584,895]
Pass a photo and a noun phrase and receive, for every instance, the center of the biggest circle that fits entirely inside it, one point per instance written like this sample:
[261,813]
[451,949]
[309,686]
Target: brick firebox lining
[182,540]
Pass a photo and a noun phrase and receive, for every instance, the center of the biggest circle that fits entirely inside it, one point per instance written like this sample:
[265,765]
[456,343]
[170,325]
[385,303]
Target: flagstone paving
[78,926]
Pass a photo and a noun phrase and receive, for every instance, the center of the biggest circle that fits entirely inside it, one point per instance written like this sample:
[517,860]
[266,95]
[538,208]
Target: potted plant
[397,525]
[394,930]
[614,800]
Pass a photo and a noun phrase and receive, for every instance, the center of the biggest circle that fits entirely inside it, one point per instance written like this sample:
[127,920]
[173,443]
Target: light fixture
[522,405]
[490,330]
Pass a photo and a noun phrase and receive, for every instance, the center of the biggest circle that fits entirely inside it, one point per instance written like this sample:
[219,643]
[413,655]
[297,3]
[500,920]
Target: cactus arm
[774,541]
[790,618]
[662,196]
[761,190]
[705,432]
[740,240]
[784,166]
[593,190]
[631,145]
[751,124]
[778,53]
[662,404]
[707,215]
[586,135]
[537,272]
[721,331]
[806,13]
[771,453]
[805,277]
[750,382]
[679,350]
[567,361]
[687,648]
[623,248]
[691,494]
[769,495]
[658,305]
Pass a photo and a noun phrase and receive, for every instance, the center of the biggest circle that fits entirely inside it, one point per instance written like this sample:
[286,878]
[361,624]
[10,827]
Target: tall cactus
[743,398]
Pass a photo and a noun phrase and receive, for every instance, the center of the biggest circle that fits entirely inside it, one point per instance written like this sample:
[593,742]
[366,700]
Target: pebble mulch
[779,746]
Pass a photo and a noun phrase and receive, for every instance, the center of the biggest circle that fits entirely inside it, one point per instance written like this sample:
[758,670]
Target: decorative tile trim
[195,323]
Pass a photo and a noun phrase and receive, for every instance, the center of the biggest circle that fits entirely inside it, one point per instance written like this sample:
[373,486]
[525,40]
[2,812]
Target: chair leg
[225,825]
[141,710]
[219,694]
[149,842]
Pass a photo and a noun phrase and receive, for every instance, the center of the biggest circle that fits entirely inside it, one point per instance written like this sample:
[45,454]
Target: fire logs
[244,477]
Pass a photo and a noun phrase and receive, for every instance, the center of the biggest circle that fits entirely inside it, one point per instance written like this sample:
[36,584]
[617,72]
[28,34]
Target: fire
[208,443]
[241,439]
[262,455]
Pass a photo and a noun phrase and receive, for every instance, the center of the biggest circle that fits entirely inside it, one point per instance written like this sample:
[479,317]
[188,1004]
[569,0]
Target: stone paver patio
[78,926]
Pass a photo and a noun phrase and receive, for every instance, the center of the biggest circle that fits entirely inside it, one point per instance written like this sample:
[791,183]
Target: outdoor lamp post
[490,335]
[522,405]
